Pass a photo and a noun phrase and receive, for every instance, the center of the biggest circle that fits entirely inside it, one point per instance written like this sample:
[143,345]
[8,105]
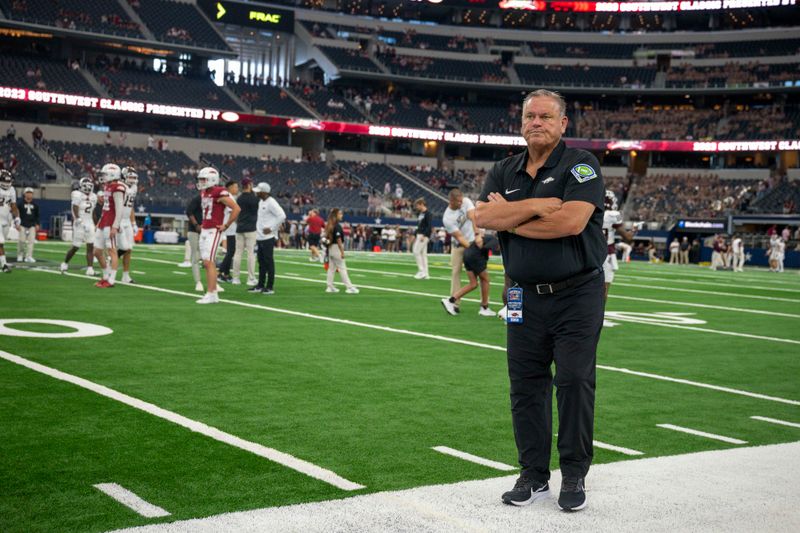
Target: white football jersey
[7,197]
[86,204]
[127,204]
[737,246]
[611,219]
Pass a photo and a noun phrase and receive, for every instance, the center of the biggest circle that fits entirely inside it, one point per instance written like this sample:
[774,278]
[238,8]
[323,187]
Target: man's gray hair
[538,93]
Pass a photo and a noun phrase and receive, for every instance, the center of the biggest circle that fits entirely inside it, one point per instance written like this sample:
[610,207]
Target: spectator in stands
[38,137]
[11,132]
[246,234]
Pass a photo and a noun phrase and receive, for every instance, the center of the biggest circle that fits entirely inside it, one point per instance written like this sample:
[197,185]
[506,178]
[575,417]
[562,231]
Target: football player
[108,235]
[128,226]
[612,225]
[214,199]
[8,209]
[84,201]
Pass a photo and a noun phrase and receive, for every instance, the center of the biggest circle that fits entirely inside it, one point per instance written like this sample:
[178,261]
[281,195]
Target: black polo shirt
[28,214]
[568,174]
[246,221]
[424,224]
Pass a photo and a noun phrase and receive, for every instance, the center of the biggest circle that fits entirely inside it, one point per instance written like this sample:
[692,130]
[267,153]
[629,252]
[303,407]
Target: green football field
[305,396]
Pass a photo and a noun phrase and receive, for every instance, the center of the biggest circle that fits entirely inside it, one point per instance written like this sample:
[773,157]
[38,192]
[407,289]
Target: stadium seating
[585,76]
[448,69]
[664,198]
[98,16]
[37,73]
[166,88]
[376,176]
[347,58]
[166,177]
[178,22]
[298,186]
[782,198]
[28,169]
[272,100]
[329,104]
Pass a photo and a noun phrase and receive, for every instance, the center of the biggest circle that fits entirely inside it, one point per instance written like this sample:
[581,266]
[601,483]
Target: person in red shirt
[214,199]
[315,224]
[105,238]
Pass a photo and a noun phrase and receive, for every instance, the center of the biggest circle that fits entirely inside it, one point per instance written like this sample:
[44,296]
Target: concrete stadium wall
[723,173]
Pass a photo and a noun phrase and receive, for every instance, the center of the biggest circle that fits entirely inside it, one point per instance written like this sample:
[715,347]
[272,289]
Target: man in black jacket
[246,234]
[194,212]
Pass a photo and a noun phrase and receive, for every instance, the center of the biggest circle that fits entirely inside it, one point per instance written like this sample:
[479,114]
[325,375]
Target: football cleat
[89,271]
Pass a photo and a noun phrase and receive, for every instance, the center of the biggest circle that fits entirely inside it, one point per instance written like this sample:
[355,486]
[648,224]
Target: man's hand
[497,198]
[113,232]
[479,241]
[544,206]
[267,231]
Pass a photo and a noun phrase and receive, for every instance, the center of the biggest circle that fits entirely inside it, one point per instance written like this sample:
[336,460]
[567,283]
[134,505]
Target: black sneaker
[255,289]
[268,291]
[573,495]
[6,269]
[526,491]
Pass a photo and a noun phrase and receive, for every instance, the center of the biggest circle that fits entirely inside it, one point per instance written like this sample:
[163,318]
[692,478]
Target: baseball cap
[27,189]
[262,187]
[246,182]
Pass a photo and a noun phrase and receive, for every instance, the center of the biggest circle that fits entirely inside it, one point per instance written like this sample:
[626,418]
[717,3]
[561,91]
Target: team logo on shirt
[583,172]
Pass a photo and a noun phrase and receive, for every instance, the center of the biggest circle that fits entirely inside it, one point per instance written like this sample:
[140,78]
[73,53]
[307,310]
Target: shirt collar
[552,160]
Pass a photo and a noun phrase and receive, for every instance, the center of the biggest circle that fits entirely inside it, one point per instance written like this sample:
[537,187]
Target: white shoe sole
[578,508]
[534,496]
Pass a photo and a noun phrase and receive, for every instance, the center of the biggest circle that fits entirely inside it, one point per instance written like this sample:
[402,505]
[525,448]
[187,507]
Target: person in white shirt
[84,201]
[674,249]
[270,217]
[738,254]
[8,209]
[777,249]
[391,239]
[457,221]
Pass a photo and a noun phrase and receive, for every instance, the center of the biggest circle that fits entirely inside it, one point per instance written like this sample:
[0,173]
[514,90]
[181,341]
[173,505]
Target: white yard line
[704,306]
[769,277]
[690,431]
[715,293]
[131,500]
[179,273]
[719,388]
[271,454]
[139,272]
[695,282]
[434,337]
[614,448]
[474,458]
[776,421]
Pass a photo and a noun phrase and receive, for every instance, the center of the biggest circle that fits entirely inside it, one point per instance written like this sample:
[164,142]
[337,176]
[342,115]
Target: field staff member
[458,223]
[547,203]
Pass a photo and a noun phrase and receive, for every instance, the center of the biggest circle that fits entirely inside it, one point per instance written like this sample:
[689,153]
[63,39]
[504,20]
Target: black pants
[565,328]
[230,249]
[266,262]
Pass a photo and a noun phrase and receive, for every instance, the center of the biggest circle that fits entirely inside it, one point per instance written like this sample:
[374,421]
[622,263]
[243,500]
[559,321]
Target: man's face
[263,195]
[28,196]
[233,189]
[542,123]
[455,203]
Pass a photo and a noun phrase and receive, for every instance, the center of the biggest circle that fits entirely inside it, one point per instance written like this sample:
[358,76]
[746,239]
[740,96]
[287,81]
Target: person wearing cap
[246,233]
[29,226]
[270,217]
